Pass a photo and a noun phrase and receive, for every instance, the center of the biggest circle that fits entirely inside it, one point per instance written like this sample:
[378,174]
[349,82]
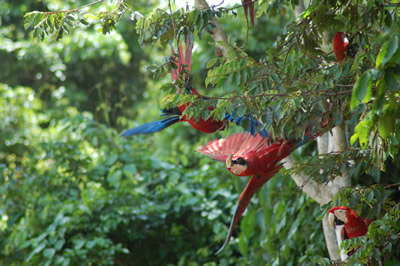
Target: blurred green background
[74,193]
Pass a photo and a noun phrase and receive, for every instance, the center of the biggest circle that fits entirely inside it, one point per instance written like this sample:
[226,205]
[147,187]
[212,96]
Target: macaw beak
[331,219]
[334,221]
[228,161]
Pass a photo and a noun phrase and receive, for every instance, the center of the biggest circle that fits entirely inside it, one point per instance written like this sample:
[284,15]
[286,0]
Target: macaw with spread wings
[248,155]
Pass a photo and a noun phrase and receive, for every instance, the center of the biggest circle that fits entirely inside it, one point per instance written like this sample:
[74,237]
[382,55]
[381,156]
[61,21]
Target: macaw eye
[240,161]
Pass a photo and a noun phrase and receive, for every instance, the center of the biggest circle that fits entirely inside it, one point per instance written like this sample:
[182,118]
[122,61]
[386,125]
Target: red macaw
[175,114]
[347,224]
[248,155]
[340,45]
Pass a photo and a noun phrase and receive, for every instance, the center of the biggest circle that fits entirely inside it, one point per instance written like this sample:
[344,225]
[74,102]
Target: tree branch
[74,10]
[321,193]
[330,239]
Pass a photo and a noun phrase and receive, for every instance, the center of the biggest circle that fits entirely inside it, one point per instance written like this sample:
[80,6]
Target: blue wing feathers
[151,127]
[174,114]
[254,123]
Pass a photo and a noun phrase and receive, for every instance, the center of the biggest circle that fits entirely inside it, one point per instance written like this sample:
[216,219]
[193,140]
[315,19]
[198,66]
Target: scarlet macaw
[244,155]
[347,224]
[210,125]
[340,43]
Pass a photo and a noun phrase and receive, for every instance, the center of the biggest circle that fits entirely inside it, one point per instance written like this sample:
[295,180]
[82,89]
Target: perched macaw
[248,6]
[174,115]
[340,43]
[248,155]
[347,224]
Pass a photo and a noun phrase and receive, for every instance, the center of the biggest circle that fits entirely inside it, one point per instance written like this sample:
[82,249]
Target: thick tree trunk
[326,143]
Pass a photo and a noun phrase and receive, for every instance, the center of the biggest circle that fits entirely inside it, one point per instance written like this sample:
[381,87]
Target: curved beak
[331,220]
[228,161]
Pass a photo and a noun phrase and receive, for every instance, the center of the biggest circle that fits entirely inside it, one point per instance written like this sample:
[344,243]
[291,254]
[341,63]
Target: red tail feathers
[248,6]
[184,60]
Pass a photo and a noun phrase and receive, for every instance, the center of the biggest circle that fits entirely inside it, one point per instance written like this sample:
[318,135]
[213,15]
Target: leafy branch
[57,23]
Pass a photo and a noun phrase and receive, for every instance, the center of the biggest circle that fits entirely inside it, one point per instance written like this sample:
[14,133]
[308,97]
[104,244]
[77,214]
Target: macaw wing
[241,144]
[185,60]
[151,127]
[253,123]
[254,184]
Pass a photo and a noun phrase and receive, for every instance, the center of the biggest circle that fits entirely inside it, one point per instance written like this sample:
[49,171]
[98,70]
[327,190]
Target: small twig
[214,6]
[308,93]
[392,185]
[172,18]
[292,77]
[239,6]
[74,10]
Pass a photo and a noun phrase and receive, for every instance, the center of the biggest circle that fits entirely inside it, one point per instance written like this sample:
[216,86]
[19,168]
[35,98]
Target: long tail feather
[254,184]
[248,5]
[151,127]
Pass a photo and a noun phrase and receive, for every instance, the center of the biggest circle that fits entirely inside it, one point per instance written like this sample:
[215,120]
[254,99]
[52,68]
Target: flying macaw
[248,155]
[340,46]
[174,115]
[347,224]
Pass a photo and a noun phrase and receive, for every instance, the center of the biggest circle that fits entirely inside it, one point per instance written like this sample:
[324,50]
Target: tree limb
[330,239]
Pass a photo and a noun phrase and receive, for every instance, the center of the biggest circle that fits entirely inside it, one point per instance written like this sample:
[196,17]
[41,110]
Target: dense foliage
[73,192]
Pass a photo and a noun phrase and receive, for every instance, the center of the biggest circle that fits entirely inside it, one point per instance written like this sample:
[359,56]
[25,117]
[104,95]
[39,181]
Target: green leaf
[362,90]
[111,159]
[90,244]
[386,126]
[36,250]
[212,62]
[29,19]
[390,79]
[49,253]
[243,245]
[361,133]
[388,49]
[129,169]
[79,243]
[59,244]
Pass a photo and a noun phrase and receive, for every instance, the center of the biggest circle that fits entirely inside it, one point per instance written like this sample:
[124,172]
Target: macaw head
[237,166]
[338,216]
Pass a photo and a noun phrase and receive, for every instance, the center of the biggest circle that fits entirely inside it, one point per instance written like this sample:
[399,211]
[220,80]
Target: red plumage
[246,155]
[206,126]
[184,65]
[340,44]
[354,226]
[349,224]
